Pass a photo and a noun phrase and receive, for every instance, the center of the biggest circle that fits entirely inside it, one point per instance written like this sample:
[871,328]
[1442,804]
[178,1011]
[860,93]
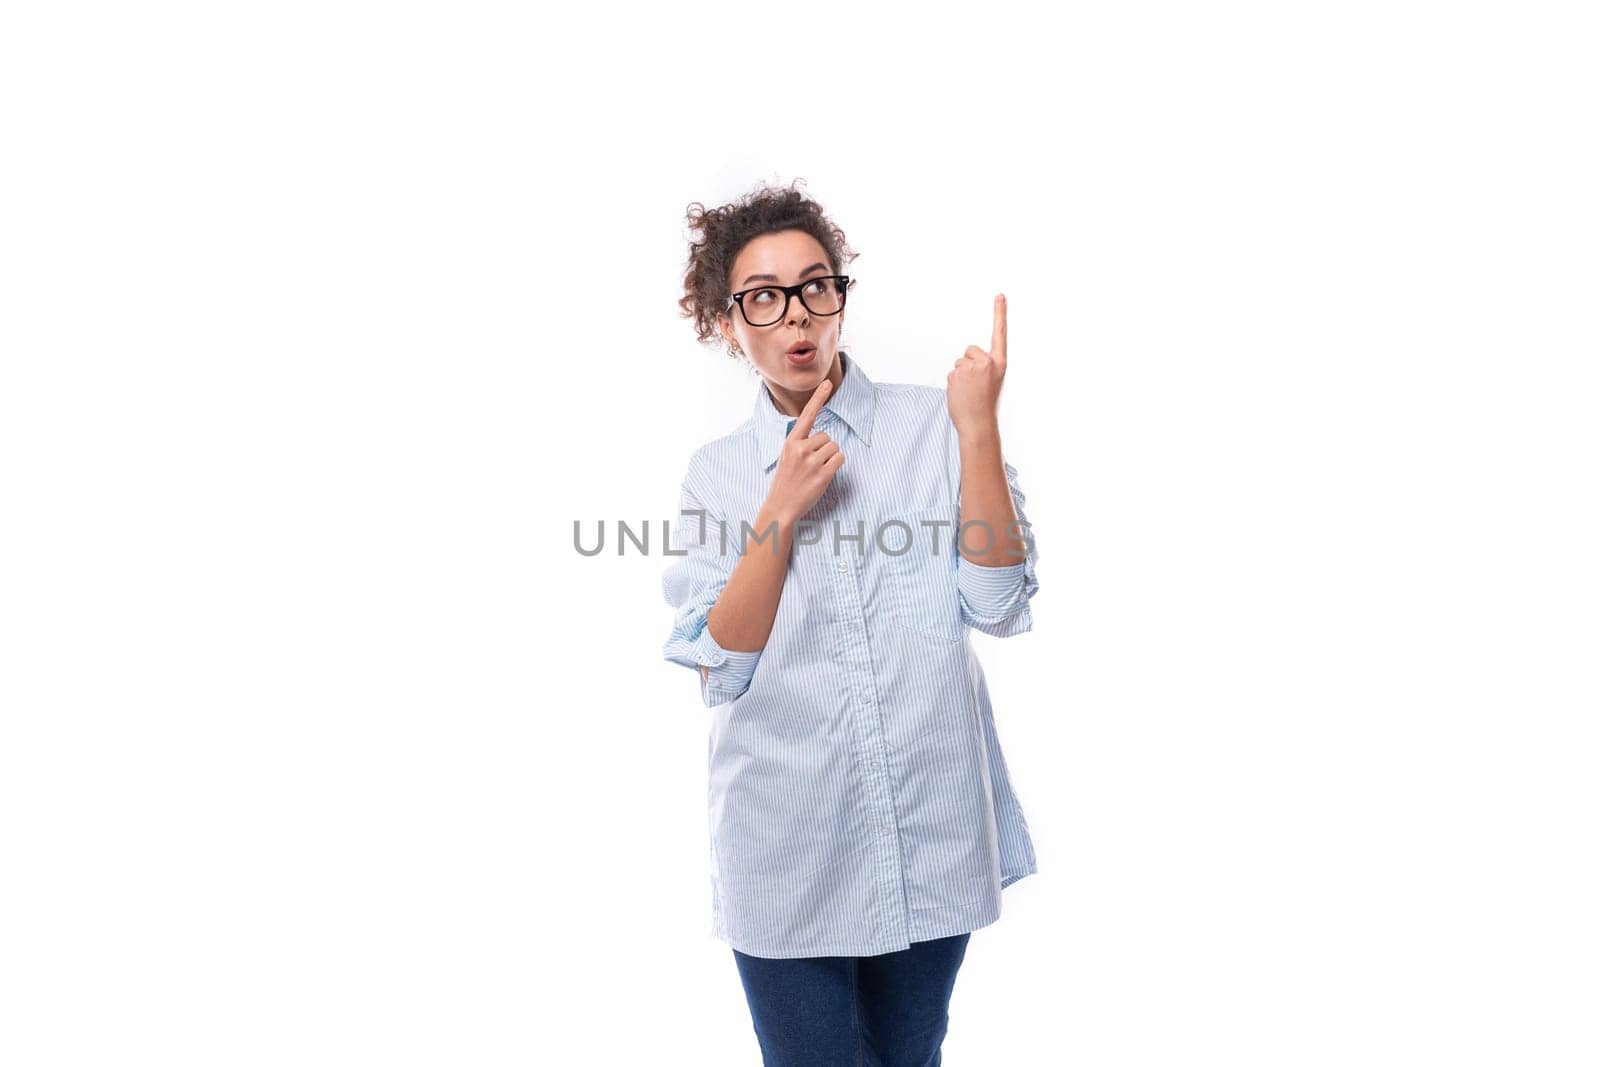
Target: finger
[808,414]
[817,440]
[997,342]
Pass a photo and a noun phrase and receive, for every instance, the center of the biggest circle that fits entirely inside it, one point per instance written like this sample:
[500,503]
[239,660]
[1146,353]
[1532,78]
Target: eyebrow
[774,277]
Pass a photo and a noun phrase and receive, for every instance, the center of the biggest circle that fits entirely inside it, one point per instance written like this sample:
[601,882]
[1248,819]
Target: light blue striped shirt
[858,797]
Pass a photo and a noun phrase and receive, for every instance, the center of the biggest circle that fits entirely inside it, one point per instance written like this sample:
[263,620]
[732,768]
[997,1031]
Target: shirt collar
[852,404]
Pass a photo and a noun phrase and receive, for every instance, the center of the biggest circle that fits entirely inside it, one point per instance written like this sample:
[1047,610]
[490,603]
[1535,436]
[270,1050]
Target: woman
[862,821]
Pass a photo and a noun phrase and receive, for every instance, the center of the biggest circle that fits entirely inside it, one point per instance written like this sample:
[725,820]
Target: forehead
[785,253]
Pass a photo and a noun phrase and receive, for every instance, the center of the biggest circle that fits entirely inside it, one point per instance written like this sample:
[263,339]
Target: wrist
[774,513]
[981,432]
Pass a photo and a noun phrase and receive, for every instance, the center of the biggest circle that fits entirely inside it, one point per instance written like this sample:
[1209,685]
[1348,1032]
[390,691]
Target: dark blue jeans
[854,1011]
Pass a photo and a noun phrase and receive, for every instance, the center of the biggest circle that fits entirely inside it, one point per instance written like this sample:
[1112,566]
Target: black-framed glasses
[767,304]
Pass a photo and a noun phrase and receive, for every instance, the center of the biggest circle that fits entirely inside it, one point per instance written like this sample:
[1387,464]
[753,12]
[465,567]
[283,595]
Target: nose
[797,311]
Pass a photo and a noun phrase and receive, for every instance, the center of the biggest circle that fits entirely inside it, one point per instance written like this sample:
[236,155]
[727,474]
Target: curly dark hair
[724,231]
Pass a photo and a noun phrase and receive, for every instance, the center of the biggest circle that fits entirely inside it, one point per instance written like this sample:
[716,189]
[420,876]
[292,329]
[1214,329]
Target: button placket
[870,744]
[866,715]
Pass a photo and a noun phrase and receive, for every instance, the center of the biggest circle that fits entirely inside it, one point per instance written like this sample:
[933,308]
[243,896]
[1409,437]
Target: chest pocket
[923,596]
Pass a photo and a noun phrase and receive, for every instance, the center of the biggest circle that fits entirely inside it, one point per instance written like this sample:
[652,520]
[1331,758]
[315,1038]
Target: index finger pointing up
[997,343]
[808,414]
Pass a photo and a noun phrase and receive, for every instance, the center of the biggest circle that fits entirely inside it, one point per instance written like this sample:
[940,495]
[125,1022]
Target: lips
[800,347]
[801,355]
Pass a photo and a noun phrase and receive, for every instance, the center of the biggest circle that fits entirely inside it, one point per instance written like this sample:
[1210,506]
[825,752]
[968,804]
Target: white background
[322,323]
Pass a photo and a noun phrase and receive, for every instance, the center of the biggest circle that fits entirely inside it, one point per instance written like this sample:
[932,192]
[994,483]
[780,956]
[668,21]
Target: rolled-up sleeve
[995,600]
[691,585]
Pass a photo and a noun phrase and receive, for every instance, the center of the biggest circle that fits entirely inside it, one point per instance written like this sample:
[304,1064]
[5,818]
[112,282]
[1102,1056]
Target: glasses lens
[823,296]
[763,307]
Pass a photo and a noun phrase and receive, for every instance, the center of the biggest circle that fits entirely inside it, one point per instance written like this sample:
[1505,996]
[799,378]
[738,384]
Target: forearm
[741,619]
[994,540]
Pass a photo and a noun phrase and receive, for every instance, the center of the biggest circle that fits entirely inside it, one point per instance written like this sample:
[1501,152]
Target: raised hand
[972,388]
[806,464]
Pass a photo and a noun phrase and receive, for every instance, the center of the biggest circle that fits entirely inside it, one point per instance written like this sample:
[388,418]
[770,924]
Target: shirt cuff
[996,598]
[727,672]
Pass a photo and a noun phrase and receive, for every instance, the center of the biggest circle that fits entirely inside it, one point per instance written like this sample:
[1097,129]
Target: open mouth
[802,354]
